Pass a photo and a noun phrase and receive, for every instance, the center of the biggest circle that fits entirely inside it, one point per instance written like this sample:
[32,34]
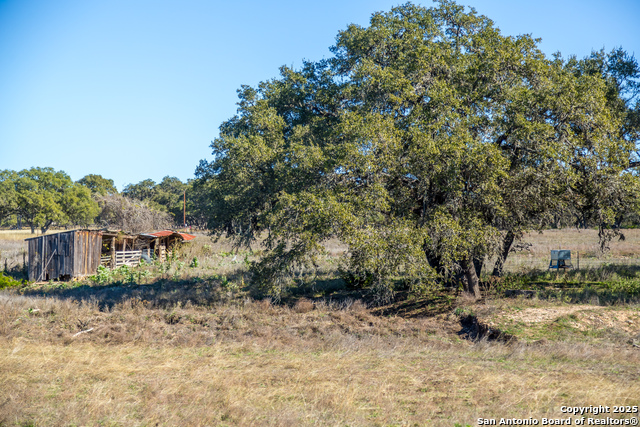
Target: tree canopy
[98,185]
[166,196]
[428,143]
[43,197]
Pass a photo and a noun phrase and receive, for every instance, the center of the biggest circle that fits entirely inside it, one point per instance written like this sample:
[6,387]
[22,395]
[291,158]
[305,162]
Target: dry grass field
[253,363]
[191,345]
[582,242]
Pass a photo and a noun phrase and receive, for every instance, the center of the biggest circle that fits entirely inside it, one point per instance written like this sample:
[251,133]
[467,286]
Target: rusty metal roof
[165,233]
[187,237]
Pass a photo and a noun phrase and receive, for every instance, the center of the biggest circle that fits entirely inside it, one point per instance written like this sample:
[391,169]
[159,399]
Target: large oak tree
[427,143]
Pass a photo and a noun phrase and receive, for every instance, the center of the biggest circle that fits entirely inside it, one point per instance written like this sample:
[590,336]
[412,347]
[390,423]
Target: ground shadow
[160,293]
[166,293]
[410,306]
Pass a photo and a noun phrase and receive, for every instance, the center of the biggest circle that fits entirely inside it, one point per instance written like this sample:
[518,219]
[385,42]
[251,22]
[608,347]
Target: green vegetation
[8,281]
[429,143]
[42,197]
[168,196]
[98,185]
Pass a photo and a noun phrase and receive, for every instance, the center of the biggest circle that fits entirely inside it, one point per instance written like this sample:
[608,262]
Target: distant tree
[165,196]
[197,204]
[169,194]
[144,190]
[79,206]
[45,197]
[8,196]
[98,185]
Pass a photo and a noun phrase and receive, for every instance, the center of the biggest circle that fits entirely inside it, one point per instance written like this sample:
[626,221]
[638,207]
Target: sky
[137,89]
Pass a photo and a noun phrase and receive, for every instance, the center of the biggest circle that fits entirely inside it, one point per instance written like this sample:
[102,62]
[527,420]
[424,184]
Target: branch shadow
[160,293]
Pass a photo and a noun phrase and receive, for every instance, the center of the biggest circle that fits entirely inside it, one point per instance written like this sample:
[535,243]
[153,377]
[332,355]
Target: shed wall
[64,255]
[86,253]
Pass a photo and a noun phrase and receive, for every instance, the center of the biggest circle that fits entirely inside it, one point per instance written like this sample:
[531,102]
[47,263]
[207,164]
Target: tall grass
[255,363]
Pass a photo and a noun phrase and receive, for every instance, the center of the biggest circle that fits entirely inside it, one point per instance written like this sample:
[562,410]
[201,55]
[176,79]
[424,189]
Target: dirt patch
[628,321]
[580,317]
[546,314]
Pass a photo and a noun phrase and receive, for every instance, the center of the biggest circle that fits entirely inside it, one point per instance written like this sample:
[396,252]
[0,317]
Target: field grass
[582,242]
[190,343]
[249,363]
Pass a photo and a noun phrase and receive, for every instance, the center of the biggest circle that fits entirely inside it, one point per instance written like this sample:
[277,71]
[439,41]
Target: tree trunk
[478,263]
[502,257]
[433,260]
[45,227]
[471,284]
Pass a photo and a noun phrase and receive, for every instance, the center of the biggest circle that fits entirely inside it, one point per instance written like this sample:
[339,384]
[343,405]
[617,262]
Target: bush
[630,287]
[7,282]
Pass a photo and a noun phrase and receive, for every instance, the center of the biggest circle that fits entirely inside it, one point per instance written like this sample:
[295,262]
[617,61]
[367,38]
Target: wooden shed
[63,256]
[120,248]
[162,243]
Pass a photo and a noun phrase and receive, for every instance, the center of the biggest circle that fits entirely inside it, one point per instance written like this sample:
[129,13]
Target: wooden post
[113,252]
[43,261]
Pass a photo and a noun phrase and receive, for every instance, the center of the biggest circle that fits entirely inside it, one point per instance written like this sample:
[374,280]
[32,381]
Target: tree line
[40,198]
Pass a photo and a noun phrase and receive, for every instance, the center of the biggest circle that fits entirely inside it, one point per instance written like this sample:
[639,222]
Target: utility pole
[184,209]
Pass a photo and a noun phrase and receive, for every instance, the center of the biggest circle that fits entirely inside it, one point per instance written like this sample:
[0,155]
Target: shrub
[7,282]
[629,286]
[303,305]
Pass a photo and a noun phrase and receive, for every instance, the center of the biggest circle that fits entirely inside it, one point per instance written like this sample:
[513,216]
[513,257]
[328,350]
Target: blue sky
[137,89]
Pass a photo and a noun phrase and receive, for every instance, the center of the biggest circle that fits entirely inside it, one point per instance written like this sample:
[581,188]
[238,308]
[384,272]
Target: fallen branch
[82,332]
